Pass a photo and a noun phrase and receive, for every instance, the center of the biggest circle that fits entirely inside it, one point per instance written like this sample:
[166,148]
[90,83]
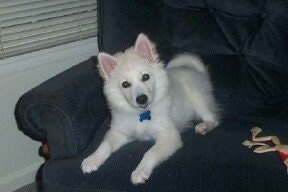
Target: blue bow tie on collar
[145,116]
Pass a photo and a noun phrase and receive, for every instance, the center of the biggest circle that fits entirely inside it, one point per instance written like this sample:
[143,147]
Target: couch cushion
[215,162]
[244,42]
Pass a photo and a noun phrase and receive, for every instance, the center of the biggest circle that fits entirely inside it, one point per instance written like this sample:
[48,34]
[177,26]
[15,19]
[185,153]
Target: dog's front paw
[91,163]
[139,176]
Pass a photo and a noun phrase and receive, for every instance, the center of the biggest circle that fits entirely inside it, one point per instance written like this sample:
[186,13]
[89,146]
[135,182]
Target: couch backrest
[244,42]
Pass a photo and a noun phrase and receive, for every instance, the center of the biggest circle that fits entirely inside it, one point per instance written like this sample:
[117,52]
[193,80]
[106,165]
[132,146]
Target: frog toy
[280,149]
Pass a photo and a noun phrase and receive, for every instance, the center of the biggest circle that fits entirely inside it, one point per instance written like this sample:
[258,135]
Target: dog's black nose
[142,99]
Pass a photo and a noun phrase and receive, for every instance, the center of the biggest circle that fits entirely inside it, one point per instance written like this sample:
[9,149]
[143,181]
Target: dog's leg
[204,106]
[113,140]
[164,147]
[207,112]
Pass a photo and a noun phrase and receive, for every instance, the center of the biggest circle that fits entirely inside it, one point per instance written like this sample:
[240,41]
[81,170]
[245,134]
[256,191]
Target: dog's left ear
[107,64]
[145,48]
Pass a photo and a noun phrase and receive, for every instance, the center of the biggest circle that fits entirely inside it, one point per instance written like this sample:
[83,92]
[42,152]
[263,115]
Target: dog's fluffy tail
[188,60]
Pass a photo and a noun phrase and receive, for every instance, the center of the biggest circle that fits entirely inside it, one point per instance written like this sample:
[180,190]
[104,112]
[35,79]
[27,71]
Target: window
[29,25]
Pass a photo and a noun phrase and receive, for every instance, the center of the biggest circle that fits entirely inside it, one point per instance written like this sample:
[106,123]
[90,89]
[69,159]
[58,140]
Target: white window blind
[29,25]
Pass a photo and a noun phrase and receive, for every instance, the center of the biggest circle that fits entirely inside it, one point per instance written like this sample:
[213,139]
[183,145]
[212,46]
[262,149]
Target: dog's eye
[126,84]
[145,77]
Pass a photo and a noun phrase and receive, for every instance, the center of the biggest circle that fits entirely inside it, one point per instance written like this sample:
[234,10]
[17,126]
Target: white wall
[19,160]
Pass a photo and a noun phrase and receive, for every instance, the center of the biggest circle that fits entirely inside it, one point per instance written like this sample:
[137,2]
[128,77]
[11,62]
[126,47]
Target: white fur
[175,96]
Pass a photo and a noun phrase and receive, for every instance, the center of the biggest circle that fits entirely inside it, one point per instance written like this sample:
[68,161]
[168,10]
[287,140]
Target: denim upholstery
[245,45]
[65,110]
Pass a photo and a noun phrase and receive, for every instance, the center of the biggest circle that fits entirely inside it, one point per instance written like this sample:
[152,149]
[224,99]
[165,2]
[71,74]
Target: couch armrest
[66,110]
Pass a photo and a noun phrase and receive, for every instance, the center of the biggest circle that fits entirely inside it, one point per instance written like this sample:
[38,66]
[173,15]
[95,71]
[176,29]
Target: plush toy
[281,150]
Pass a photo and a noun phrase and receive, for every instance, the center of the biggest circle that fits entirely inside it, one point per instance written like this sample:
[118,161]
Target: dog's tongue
[143,106]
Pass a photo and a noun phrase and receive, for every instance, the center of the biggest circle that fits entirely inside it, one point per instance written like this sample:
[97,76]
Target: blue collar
[145,116]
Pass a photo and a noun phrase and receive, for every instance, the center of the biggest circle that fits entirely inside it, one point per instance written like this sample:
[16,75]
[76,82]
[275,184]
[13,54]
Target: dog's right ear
[106,63]
[145,48]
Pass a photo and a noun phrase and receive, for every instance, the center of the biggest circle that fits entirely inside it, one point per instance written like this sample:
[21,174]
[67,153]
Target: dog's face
[137,85]
[134,79]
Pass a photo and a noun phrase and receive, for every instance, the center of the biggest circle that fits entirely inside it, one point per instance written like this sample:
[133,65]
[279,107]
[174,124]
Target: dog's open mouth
[143,106]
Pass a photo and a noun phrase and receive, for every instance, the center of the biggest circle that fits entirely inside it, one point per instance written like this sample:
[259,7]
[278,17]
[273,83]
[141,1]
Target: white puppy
[150,102]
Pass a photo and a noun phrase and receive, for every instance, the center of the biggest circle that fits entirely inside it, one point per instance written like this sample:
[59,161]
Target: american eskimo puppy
[148,101]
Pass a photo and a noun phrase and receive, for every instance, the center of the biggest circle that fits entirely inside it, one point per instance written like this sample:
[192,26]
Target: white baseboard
[19,178]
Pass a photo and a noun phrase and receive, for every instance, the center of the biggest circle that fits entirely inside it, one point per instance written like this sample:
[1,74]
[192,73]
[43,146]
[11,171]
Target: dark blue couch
[245,45]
